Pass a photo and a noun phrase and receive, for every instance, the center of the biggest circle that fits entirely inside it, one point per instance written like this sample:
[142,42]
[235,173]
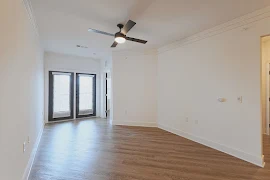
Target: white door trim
[267,97]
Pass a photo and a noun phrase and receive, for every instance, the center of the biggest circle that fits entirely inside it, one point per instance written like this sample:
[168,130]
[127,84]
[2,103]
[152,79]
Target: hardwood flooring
[94,150]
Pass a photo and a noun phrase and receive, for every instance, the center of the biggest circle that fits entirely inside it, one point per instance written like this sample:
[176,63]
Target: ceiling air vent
[80,46]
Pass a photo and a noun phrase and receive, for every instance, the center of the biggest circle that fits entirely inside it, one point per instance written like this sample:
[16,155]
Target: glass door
[61,89]
[85,95]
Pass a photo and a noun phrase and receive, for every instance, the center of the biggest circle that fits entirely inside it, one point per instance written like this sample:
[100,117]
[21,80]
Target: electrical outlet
[28,139]
[24,146]
[196,122]
[186,119]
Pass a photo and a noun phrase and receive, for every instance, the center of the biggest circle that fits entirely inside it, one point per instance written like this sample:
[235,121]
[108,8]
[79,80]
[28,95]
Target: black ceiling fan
[120,37]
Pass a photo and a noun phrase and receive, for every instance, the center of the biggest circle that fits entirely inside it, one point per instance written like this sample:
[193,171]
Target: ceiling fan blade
[100,32]
[136,40]
[114,44]
[128,26]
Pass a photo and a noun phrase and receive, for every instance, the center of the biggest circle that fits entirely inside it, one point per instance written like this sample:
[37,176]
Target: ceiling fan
[120,37]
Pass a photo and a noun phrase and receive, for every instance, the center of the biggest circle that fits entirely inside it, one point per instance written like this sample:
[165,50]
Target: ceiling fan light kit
[120,37]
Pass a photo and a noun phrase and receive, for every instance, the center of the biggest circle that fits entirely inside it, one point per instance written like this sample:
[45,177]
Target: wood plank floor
[94,150]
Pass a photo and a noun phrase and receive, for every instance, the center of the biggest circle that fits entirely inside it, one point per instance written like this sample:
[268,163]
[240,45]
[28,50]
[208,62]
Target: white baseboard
[132,123]
[76,119]
[32,155]
[259,161]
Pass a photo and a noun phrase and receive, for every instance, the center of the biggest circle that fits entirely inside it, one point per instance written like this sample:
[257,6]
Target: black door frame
[77,95]
[50,108]
[106,94]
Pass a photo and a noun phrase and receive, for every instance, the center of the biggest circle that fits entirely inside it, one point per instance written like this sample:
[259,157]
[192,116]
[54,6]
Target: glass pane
[85,94]
[61,95]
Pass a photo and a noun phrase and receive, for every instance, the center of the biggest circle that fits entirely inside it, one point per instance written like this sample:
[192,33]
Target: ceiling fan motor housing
[119,34]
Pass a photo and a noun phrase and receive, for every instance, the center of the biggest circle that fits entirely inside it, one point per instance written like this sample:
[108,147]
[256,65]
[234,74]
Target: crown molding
[230,25]
[28,7]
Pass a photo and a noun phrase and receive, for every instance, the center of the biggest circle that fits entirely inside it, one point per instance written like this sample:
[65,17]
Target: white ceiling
[64,23]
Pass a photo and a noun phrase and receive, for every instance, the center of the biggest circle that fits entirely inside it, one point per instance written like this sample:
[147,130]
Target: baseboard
[132,123]
[259,161]
[76,119]
[32,155]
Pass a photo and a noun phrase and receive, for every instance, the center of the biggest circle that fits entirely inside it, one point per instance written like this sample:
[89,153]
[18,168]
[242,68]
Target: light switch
[240,99]
[24,147]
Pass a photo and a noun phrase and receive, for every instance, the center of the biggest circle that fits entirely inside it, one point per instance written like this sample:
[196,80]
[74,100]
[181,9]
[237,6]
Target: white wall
[192,76]
[265,74]
[134,89]
[21,90]
[69,63]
